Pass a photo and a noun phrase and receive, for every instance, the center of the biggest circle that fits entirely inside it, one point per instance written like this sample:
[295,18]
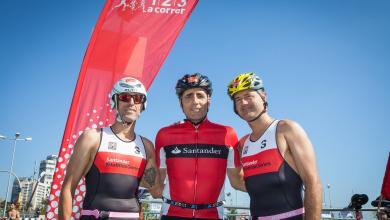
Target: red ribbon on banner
[385,192]
[131,38]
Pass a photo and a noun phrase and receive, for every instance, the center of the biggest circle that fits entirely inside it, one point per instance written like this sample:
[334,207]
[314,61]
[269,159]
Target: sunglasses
[126,97]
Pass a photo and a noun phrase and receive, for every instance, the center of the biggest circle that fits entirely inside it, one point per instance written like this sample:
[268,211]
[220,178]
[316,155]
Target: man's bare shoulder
[295,136]
[89,139]
[91,134]
[148,144]
[146,141]
[287,127]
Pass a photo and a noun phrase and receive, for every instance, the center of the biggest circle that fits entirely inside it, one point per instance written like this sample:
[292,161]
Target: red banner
[386,182]
[131,38]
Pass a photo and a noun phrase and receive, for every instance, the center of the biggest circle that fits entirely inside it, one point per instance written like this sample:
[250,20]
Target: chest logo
[263,144]
[111,145]
[137,150]
[176,151]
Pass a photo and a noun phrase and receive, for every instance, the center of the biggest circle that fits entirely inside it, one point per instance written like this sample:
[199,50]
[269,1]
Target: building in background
[47,168]
[22,194]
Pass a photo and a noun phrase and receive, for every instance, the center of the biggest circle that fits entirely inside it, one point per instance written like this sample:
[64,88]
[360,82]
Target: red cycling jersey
[196,158]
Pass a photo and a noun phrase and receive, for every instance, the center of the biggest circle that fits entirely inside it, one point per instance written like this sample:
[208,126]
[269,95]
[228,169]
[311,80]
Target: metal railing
[242,212]
[239,213]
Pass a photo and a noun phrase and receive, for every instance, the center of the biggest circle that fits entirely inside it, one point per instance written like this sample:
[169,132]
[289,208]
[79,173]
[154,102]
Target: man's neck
[196,122]
[124,131]
[260,125]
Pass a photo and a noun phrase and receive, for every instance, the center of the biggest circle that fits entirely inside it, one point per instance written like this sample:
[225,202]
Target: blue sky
[325,64]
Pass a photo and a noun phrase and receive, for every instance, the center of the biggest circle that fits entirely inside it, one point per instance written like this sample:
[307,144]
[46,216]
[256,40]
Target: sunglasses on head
[126,97]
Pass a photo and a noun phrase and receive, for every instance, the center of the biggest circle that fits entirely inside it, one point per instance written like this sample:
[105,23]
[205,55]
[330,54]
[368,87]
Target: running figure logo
[132,5]
[122,4]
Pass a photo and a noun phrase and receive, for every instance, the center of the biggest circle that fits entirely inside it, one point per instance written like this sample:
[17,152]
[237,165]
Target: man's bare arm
[236,175]
[151,176]
[81,160]
[304,157]
[236,178]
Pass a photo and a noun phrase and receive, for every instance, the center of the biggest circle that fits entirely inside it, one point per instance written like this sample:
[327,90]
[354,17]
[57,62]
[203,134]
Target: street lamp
[13,174]
[15,139]
[16,177]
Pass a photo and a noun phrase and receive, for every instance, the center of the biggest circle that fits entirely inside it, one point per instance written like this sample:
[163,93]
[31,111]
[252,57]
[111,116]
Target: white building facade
[22,194]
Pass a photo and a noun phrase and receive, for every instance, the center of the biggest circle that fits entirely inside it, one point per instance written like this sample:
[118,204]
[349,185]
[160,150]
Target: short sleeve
[160,153]
[232,141]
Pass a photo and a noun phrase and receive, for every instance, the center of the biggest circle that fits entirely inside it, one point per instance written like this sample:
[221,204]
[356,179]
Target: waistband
[107,214]
[193,206]
[281,215]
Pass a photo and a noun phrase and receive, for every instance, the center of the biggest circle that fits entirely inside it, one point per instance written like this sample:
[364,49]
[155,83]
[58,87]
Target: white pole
[9,175]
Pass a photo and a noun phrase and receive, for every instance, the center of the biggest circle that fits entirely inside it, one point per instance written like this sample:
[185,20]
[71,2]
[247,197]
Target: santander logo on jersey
[249,163]
[109,162]
[116,160]
[201,151]
[176,151]
[197,150]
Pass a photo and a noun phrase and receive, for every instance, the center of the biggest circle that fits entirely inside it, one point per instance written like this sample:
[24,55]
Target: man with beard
[114,161]
[194,156]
